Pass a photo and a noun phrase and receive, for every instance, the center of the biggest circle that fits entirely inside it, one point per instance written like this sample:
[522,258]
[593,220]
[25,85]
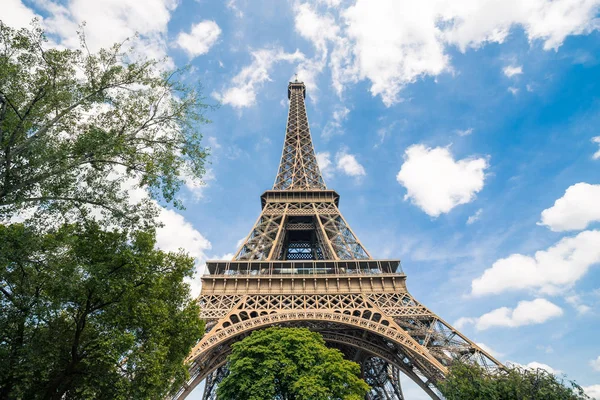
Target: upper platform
[299,196]
[304,267]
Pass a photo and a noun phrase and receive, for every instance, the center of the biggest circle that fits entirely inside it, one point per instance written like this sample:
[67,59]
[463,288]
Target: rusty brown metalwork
[302,265]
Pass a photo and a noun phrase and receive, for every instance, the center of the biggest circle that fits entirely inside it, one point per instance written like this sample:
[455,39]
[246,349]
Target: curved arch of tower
[302,265]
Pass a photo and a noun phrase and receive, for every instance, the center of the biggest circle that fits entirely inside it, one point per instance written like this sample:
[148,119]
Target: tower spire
[298,169]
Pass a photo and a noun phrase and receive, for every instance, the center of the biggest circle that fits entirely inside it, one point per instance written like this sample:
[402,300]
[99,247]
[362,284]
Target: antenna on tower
[296,74]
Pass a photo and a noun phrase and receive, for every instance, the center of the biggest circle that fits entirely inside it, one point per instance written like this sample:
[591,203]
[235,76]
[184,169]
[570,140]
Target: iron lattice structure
[302,265]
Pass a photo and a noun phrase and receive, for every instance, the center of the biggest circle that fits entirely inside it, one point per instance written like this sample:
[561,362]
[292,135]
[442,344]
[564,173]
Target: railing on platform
[304,267]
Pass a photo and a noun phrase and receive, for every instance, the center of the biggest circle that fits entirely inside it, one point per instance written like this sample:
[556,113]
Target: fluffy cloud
[198,186]
[436,182]
[549,271]
[593,391]
[178,234]
[526,313]
[575,210]
[475,217]
[393,43]
[242,90]
[575,302]
[596,364]
[16,14]
[464,132]
[318,29]
[536,365]
[489,350]
[348,164]
[232,5]
[511,71]
[344,162]
[106,22]
[334,125]
[324,161]
[201,38]
[596,155]
[314,27]
[111,21]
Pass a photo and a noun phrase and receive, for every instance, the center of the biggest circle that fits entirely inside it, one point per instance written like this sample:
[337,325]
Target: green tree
[92,314]
[471,382]
[289,364]
[78,129]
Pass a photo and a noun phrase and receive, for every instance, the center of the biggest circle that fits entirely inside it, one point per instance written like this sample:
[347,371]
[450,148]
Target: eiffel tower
[302,265]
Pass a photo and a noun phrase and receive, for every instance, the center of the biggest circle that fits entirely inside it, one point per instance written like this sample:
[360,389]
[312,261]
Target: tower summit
[302,265]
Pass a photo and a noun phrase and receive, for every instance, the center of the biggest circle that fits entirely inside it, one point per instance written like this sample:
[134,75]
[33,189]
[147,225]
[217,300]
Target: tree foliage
[289,364]
[79,130]
[92,314]
[471,382]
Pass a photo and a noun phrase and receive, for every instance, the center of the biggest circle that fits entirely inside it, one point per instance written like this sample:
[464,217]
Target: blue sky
[463,138]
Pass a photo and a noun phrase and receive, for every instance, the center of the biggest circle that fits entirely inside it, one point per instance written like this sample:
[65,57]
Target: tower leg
[212,381]
[383,378]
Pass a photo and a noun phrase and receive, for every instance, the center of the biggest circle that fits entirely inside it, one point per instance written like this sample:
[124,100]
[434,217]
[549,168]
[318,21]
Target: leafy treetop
[79,131]
[92,314]
[471,382]
[289,364]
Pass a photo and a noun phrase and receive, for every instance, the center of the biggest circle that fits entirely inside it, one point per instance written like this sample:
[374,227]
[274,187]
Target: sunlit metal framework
[302,265]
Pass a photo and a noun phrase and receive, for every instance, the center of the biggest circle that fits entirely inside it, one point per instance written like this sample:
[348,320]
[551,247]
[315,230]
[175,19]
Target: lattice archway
[394,345]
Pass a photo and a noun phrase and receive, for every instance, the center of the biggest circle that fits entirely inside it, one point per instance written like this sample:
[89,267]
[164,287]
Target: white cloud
[232,5]
[330,3]
[596,364]
[511,71]
[198,186]
[576,303]
[464,132]
[526,313]
[513,90]
[314,27]
[348,164]
[242,90]
[593,391]
[318,29]
[334,125]
[489,350]
[213,143]
[546,349]
[201,38]
[596,155]
[344,162]
[392,43]
[106,22]
[475,217]
[463,322]
[437,183]
[549,271]
[15,14]
[110,21]
[575,210]
[324,162]
[537,365]
[177,233]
